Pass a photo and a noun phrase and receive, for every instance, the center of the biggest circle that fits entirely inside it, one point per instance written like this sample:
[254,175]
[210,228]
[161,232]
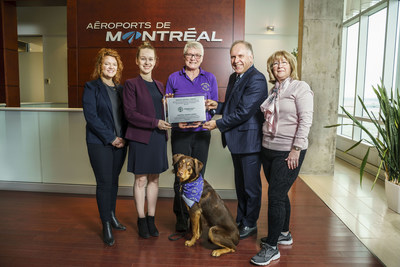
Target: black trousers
[280,179]
[194,144]
[107,162]
[248,187]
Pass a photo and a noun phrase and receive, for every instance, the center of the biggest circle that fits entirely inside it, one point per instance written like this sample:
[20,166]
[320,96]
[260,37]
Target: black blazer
[97,109]
[241,123]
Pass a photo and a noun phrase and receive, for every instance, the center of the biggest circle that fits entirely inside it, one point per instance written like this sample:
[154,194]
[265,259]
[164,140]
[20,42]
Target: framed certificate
[185,109]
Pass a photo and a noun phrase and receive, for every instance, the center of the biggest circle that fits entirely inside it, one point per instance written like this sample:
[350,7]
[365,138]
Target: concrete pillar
[320,44]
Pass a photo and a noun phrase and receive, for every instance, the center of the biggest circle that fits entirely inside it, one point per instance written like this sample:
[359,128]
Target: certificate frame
[185,108]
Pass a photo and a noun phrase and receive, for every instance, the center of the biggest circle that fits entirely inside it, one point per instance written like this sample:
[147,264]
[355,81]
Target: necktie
[237,79]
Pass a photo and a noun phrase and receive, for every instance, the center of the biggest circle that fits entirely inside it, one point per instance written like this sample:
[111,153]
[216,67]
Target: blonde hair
[99,62]
[146,45]
[278,55]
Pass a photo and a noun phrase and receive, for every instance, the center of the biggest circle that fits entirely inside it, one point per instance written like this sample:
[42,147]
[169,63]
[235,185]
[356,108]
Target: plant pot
[392,195]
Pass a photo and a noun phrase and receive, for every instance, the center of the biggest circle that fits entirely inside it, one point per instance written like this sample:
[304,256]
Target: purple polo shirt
[204,84]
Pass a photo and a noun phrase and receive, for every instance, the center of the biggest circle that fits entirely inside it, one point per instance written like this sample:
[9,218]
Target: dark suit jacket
[241,123]
[97,109]
[139,110]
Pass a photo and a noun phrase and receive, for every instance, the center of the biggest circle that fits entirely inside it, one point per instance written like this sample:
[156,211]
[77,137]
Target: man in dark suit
[241,129]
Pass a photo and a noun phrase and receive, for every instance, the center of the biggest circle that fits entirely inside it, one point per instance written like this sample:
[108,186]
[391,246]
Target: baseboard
[91,189]
[369,168]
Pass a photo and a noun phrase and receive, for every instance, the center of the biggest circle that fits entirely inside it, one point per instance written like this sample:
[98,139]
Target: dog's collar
[191,192]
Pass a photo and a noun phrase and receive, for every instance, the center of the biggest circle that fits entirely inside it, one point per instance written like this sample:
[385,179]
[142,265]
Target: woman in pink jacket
[288,113]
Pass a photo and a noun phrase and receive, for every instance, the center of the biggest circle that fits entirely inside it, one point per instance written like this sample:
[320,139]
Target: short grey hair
[195,45]
[248,46]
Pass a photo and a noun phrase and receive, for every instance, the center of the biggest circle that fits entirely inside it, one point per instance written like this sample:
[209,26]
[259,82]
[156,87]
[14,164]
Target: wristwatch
[297,148]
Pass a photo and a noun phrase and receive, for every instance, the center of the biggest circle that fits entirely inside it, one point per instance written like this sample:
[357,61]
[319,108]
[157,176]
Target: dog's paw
[216,253]
[219,252]
[189,243]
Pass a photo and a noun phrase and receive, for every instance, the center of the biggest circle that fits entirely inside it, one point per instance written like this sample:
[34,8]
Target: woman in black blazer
[105,128]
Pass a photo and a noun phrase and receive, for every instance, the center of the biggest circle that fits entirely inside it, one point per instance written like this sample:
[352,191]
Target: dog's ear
[198,166]
[176,158]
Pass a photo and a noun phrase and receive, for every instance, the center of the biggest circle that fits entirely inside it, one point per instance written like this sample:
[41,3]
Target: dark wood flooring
[48,229]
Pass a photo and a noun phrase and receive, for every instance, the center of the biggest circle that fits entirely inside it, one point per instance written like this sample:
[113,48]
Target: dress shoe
[115,223]
[107,234]
[246,231]
[143,228]
[152,226]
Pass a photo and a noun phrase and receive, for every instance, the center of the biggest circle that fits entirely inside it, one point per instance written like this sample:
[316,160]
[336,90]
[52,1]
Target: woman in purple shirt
[288,113]
[191,139]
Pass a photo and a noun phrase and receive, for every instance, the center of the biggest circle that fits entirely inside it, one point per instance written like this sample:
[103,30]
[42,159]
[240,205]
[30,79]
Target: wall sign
[167,24]
[145,31]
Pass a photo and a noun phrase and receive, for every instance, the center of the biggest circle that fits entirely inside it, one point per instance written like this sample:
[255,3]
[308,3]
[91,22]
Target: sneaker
[282,239]
[266,255]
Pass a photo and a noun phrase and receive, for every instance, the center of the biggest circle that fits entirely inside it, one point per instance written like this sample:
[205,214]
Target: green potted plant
[387,143]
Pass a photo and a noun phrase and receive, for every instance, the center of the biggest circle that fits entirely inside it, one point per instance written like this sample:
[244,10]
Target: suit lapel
[231,86]
[104,95]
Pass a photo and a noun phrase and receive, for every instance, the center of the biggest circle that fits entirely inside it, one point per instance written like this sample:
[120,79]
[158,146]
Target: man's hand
[211,104]
[210,125]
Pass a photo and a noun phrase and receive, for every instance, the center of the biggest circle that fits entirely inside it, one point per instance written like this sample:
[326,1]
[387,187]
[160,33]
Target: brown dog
[208,208]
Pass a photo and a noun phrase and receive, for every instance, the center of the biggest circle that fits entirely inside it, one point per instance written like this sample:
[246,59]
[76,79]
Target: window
[374,58]
[351,68]
[369,54]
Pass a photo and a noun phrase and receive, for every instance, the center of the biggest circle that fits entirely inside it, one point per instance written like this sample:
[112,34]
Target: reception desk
[44,149]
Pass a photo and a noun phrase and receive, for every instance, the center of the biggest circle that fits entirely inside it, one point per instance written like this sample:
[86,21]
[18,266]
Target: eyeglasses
[279,63]
[189,56]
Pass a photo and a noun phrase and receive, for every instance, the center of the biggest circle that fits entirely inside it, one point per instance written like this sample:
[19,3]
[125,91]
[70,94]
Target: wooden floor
[48,229]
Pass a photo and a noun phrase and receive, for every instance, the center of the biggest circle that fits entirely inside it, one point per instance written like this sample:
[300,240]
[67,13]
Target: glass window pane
[368,3]
[395,70]
[347,130]
[351,68]
[352,8]
[375,53]
[371,128]
[340,128]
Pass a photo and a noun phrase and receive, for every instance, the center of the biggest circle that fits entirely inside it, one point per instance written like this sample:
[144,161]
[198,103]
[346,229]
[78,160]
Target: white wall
[51,24]
[284,16]
[31,76]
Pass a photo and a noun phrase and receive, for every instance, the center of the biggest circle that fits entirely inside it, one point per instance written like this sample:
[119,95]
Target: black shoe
[107,234]
[246,231]
[151,225]
[115,223]
[143,228]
